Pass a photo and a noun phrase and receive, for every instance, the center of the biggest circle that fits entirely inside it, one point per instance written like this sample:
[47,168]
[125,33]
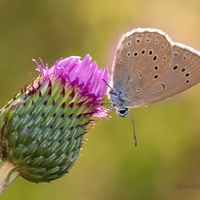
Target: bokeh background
[110,168]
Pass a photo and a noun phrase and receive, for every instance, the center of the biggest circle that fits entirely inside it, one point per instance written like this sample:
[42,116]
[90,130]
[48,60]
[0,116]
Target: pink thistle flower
[84,75]
[43,127]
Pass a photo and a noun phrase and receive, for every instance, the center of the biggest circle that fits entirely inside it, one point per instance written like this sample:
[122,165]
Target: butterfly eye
[122,112]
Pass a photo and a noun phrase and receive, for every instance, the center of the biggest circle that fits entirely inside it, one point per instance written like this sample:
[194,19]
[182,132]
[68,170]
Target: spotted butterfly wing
[149,67]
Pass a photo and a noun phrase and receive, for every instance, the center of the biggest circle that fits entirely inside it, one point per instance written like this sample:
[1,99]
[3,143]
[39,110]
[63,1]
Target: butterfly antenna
[106,83]
[109,86]
[134,133]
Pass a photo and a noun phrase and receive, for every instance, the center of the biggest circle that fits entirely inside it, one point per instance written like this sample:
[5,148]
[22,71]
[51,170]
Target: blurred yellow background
[168,133]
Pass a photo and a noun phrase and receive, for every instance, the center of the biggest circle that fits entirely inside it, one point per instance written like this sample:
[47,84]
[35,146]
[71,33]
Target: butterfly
[149,67]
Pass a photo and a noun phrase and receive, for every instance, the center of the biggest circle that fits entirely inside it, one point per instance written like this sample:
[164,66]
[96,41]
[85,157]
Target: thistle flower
[42,128]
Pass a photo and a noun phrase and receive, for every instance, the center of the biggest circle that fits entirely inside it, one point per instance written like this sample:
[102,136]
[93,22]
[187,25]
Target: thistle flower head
[82,75]
[42,127]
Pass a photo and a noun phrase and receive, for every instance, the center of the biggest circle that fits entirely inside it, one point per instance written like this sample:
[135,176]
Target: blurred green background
[168,133]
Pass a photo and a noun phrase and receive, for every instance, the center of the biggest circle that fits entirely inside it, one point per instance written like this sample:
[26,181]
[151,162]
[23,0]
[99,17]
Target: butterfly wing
[150,67]
[142,60]
[184,72]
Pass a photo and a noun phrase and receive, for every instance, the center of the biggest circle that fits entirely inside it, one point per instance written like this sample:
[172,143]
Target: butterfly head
[118,103]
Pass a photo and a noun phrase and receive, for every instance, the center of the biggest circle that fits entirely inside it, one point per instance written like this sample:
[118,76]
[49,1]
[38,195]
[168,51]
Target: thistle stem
[8,174]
